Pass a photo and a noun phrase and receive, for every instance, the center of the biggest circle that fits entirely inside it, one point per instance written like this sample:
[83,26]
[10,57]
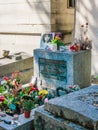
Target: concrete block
[66,68]
[80,107]
[44,120]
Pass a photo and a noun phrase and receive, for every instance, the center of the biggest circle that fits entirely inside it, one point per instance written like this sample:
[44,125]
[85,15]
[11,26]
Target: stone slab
[9,65]
[80,106]
[23,124]
[44,120]
[24,65]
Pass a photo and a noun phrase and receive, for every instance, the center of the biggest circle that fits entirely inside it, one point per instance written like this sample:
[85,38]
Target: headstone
[58,69]
[76,111]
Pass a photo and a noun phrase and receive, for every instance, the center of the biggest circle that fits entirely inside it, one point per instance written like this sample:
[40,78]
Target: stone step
[44,120]
[80,106]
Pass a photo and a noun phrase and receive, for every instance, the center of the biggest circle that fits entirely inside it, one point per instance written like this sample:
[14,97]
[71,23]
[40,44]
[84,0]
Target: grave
[74,111]
[20,61]
[58,69]
[22,124]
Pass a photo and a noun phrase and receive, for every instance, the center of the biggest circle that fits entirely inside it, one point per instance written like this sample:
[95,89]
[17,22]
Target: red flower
[5,78]
[2,98]
[72,47]
[40,97]
[32,89]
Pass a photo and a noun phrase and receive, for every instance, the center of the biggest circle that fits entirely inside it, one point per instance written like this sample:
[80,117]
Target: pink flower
[71,86]
[46,100]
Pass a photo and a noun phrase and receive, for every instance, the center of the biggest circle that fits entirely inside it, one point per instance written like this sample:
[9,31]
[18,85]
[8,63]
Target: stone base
[44,120]
[58,69]
[80,106]
[24,65]
[23,123]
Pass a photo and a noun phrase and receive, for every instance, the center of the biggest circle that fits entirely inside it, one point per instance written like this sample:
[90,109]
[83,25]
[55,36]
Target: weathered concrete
[58,69]
[23,21]
[24,65]
[44,120]
[22,124]
[79,107]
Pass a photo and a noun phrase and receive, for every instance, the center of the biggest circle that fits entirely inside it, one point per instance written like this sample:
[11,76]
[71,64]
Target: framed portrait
[46,40]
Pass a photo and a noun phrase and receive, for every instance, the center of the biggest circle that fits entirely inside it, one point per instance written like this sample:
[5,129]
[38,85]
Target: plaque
[52,69]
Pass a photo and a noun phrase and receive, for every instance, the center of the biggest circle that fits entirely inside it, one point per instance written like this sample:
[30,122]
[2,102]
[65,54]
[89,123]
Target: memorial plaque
[53,69]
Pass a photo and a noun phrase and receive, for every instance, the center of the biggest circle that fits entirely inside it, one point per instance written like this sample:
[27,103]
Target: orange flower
[30,84]
[57,38]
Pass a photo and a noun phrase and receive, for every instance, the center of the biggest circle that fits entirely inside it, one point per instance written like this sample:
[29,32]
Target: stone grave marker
[74,111]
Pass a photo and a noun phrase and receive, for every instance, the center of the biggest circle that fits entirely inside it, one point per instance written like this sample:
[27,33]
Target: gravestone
[58,69]
[74,111]
[20,61]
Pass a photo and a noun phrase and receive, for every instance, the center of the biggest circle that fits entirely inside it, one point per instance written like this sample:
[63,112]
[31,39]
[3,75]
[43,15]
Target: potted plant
[27,106]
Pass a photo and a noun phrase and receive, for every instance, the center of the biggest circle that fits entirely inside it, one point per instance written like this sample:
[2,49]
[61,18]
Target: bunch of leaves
[28,104]
[57,40]
[3,88]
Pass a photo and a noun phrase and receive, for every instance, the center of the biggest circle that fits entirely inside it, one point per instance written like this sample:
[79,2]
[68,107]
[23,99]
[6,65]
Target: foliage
[13,97]
[28,105]
[68,88]
[57,40]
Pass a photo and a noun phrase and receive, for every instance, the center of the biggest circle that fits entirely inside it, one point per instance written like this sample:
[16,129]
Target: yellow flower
[57,38]
[43,92]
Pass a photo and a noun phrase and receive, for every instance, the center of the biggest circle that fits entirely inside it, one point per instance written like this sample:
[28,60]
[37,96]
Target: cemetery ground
[51,116]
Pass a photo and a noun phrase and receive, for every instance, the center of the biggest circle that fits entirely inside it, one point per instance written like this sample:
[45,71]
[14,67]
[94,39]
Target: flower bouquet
[14,98]
[57,41]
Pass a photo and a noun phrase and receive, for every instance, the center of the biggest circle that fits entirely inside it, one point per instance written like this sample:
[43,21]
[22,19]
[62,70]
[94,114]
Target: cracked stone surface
[80,106]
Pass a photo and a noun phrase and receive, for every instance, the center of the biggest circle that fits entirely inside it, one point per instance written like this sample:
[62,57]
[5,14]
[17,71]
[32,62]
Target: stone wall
[63,17]
[23,21]
[87,11]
